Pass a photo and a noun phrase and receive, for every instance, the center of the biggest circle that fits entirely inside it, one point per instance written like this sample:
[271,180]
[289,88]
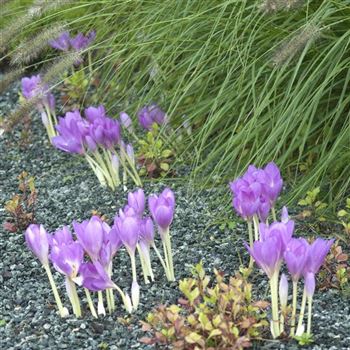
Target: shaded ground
[68,190]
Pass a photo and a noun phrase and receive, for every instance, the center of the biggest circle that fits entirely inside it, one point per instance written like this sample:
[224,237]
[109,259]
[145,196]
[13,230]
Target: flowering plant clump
[254,195]
[85,257]
[210,315]
[34,89]
[97,137]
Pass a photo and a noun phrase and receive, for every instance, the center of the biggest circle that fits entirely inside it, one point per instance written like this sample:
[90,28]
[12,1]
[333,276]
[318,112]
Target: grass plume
[30,49]
[56,71]
[10,77]
[296,44]
[270,6]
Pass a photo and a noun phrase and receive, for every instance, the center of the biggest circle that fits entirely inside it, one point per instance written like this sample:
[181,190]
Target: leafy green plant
[335,272]
[212,314]
[313,206]
[21,207]
[344,216]
[153,155]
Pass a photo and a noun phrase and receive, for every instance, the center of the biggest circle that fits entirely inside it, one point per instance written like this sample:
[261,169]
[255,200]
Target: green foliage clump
[211,315]
[313,206]
[21,207]
[153,155]
[344,216]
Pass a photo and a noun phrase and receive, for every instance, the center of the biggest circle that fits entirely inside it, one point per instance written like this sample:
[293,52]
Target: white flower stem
[161,260]
[144,266]
[309,315]
[170,255]
[274,303]
[109,307]
[251,241]
[100,308]
[256,227]
[302,311]
[73,296]
[62,311]
[294,308]
[90,303]
[96,169]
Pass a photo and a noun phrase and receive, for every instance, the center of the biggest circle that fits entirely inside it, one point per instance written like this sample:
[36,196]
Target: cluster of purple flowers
[254,195]
[98,241]
[152,114]
[98,138]
[256,192]
[65,42]
[33,88]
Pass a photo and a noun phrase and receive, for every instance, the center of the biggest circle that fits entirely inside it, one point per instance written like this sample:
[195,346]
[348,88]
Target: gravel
[68,190]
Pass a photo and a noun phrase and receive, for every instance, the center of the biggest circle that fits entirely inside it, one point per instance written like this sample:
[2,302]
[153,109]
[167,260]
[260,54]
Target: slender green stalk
[144,266]
[73,296]
[90,303]
[294,308]
[273,211]
[170,255]
[63,311]
[251,241]
[96,169]
[301,315]
[309,315]
[109,307]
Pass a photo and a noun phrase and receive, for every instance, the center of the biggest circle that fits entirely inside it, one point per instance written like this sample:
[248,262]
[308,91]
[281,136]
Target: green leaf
[164,166]
[342,213]
[303,202]
[166,153]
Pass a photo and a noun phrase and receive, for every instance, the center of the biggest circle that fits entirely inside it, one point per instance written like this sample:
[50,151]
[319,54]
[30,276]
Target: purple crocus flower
[72,131]
[128,228]
[103,130]
[125,121]
[90,278]
[90,234]
[280,229]
[271,180]
[318,251]
[37,241]
[81,41]
[148,115]
[136,200]
[295,256]
[61,43]
[32,87]
[62,236]
[162,208]
[147,230]
[310,284]
[130,152]
[67,258]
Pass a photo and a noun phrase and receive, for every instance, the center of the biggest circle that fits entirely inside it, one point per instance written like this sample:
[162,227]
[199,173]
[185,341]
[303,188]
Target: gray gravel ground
[68,190]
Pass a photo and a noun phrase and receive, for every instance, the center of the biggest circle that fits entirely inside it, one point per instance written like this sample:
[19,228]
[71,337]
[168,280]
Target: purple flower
[147,230]
[125,121]
[295,256]
[267,254]
[271,180]
[80,41]
[32,87]
[310,284]
[318,251]
[148,115]
[162,208]
[60,237]
[284,215]
[37,242]
[128,229]
[136,200]
[61,43]
[283,290]
[91,279]
[67,258]
[103,130]
[72,131]
[284,231]
[91,234]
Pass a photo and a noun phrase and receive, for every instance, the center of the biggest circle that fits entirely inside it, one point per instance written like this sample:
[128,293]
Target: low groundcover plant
[85,258]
